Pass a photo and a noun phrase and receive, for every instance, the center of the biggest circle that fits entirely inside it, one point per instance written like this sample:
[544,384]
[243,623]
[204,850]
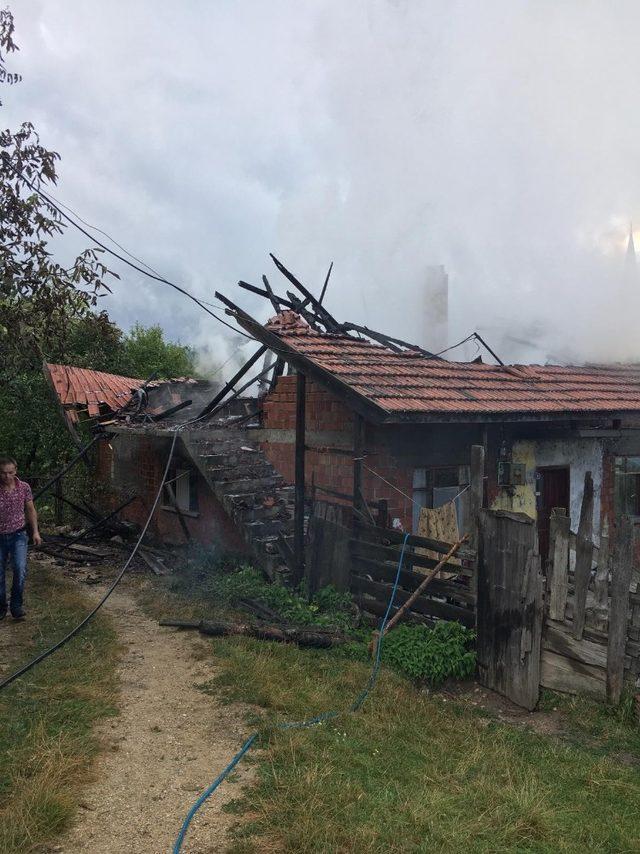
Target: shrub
[431,654]
[221,580]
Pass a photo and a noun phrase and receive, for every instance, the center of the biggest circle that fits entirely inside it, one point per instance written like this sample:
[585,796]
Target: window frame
[191,476]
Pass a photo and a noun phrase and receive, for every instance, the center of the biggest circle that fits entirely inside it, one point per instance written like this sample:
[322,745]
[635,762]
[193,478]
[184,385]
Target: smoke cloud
[501,139]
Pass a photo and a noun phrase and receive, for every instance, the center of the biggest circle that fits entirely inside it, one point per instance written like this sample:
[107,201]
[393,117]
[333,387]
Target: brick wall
[327,414]
[136,464]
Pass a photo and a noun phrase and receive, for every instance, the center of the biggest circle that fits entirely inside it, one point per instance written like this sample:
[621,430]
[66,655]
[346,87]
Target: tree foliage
[38,295]
[144,351]
[48,311]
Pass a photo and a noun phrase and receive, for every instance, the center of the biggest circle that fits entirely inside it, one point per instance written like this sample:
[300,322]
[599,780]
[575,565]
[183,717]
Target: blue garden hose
[325,716]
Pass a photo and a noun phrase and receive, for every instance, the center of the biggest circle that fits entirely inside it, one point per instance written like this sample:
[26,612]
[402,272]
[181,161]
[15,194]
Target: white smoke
[499,138]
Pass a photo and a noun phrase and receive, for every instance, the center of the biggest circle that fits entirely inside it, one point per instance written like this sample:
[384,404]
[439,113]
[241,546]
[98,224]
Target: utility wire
[325,716]
[117,581]
[120,257]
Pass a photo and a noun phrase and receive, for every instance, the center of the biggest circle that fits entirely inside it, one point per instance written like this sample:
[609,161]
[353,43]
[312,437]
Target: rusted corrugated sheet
[413,383]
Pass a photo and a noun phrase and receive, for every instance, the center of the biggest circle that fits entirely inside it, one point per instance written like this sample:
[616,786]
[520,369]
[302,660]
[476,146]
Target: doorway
[552,490]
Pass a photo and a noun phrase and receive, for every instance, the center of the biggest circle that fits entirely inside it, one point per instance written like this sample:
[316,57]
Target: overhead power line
[120,257]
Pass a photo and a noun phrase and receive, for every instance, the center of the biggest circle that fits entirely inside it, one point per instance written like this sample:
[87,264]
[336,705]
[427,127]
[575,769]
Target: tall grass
[412,771]
[46,717]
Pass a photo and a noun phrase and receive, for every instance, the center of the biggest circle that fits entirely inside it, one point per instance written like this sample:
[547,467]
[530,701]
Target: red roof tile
[413,383]
[93,392]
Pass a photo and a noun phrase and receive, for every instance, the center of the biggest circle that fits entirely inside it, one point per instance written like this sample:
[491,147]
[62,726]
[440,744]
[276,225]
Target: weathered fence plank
[565,674]
[584,557]
[368,533]
[375,551]
[621,573]
[509,609]
[386,572]
[328,556]
[558,582]
[422,605]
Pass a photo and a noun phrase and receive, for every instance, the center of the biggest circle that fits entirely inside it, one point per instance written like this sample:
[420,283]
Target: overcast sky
[500,138]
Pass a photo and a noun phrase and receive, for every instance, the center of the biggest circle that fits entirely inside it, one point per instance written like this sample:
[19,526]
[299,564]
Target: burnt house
[386,434]
[386,427]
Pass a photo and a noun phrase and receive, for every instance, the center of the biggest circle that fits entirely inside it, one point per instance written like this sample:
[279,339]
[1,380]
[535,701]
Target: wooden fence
[572,625]
[375,553]
[591,634]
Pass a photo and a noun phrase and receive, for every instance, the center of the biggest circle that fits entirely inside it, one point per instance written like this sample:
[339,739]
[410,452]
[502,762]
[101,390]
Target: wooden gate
[510,606]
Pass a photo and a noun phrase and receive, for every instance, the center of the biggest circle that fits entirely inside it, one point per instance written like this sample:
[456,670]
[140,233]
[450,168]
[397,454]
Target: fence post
[584,557]
[476,502]
[601,583]
[621,572]
[558,581]
[358,453]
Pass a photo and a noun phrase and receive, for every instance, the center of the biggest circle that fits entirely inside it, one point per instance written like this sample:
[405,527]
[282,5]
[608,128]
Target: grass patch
[597,725]
[411,771]
[46,717]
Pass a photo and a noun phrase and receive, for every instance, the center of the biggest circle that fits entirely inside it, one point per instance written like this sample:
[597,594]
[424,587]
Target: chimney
[435,334]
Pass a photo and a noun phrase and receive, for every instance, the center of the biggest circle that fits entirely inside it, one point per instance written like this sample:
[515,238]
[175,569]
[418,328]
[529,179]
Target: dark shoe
[19,614]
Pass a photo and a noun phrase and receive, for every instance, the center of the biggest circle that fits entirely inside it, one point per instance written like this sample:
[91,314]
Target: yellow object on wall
[521,499]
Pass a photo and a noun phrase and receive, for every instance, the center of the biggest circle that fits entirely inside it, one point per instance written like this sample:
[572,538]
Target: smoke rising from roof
[500,139]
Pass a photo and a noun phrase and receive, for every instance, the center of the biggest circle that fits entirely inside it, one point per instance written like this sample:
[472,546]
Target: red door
[552,490]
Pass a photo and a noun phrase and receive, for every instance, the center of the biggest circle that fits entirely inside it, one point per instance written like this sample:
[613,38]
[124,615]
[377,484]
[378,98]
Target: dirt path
[168,743]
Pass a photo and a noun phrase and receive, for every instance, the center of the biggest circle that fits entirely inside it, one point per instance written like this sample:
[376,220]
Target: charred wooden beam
[326,283]
[172,410]
[298,531]
[278,369]
[486,346]
[327,319]
[209,408]
[174,503]
[387,340]
[300,362]
[99,524]
[97,438]
[239,391]
[272,296]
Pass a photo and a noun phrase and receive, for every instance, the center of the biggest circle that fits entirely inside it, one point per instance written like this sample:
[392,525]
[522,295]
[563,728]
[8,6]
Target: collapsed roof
[389,380]
[100,397]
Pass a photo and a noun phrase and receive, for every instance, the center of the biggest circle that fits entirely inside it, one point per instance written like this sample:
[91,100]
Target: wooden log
[584,556]
[621,573]
[558,581]
[307,636]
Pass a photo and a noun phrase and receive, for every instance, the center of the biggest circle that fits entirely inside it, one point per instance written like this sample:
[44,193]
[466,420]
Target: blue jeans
[13,546]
